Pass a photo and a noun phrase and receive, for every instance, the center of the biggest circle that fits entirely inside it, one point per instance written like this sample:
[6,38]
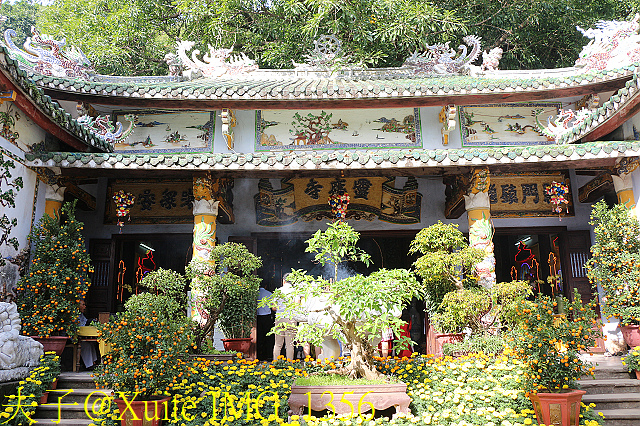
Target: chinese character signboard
[337,129]
[506,124]
[161,201]
[307,199]
[167,132]
[515,195]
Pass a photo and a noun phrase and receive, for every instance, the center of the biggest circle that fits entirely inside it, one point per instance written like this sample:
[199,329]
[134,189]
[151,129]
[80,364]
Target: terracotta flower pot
[156,410]
[238,345]
[52,343]
[362,398]
[45,396]
[558,409]
[441,339]
[637,374]
[631,334]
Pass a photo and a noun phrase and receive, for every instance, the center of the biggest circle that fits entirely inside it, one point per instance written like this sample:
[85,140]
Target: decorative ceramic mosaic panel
[164,131]
[506,124]
[306,199]
[337,129]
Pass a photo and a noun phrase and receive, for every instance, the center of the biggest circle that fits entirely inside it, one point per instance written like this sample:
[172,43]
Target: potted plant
[355,309]
[149,341]
[549,343]
[447,263]
[49,296]
[615,266]
[48,372]
[459,310]
[632,362]
[227,293]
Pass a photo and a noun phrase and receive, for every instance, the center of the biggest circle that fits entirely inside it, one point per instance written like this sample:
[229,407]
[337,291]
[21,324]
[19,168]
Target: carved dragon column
[54,196]
[205,213]
[478,209]
[622,181]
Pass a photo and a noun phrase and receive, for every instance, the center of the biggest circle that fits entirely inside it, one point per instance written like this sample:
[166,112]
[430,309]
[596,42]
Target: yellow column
[205,213]
[622,181]
[478,206]
[54,197]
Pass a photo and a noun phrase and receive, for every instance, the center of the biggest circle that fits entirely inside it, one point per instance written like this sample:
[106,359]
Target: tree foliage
[132,37]
[21,17]
[355,309]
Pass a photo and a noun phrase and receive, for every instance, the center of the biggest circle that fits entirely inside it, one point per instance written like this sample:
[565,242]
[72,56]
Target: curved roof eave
[253,94]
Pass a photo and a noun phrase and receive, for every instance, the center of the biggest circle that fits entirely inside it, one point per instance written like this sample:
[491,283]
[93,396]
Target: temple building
[220,150]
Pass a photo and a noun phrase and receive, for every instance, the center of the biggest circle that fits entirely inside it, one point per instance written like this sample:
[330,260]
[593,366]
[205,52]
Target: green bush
[461,309]
[487,344]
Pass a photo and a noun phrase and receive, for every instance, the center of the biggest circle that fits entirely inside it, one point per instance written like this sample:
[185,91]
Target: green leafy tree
[125,37]
[355,309]
[447,262]
[615,262]
[132,37]
[58,279]
[229,293]
[21,17]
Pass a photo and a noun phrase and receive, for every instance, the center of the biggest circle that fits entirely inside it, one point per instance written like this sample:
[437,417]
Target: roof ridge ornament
[442,59]
[216,63]
[44,55]
[613,44]
[102,127]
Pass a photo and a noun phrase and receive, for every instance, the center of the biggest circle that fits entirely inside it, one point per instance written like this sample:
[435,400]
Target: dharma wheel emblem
[328,45]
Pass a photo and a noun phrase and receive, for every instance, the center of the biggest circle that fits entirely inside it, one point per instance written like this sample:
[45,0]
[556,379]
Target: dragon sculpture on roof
[103,127]
[216,63]
[442,59]
[614,44]
[44,55]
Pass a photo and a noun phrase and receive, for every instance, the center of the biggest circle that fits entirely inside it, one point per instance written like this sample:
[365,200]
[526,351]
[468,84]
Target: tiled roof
[49,107]
[335,160]
[278,87]
[607,110]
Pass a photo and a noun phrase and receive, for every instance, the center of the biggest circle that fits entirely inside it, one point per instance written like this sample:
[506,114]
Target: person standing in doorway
[264,324]
[283,336]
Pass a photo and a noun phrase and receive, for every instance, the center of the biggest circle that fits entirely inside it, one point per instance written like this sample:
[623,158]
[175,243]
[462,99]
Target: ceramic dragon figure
[562,124]
[104,128]
[614,44]
[216,63]
[480,237]
[442,59]
[47,56]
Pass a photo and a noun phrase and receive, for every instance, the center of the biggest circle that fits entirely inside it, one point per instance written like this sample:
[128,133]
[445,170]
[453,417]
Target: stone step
[608,386]
[50,411]
[69,380]
[78,395]
[623,417]
[64,422]
[612,372]
[613,401]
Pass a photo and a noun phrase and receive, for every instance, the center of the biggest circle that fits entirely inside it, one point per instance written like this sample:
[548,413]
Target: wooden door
[577,245]
[100,295]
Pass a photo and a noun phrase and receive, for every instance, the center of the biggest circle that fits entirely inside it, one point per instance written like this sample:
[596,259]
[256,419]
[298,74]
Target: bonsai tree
[615,261]
[227,293]
[461,309]
[447,262]
[49,295]
[355,310]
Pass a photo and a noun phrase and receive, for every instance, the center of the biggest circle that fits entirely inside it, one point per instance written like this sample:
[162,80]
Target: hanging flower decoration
[124,201]
[339,204]
[558,192]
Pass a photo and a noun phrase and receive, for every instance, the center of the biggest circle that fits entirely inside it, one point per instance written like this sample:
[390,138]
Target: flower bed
[473,390]
[29,391]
